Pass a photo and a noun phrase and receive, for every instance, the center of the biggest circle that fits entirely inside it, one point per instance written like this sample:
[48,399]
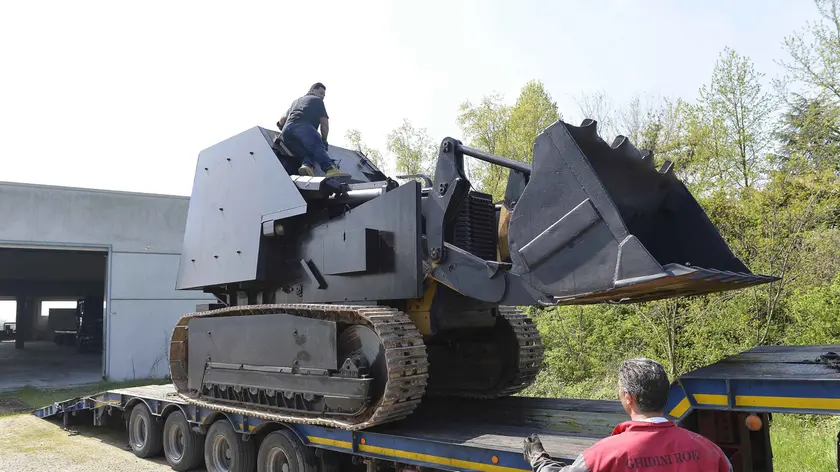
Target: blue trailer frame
[765,379]
[487,435]
[407,445]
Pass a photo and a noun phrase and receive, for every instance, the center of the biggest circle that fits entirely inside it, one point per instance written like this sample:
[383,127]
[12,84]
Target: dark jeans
[305,142]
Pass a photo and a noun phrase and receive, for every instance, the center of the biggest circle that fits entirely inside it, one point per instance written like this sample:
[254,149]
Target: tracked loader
[345,302]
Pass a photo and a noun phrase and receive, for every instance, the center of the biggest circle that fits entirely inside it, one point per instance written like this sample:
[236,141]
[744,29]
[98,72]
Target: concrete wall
[143,300]
[144,234]
[127,222]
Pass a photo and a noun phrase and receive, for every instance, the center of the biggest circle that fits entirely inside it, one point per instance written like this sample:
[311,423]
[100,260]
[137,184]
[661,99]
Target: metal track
[530,353]
[405,356]
[529,360]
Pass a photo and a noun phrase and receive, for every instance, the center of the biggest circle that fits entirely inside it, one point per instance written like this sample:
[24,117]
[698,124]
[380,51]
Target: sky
[124,95]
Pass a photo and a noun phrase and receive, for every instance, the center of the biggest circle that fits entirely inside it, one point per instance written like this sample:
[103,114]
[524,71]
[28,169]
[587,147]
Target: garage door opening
[52,310]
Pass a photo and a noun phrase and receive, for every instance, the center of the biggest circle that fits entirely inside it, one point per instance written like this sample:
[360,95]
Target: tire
[225,451]
[183,448]
[283,447]
[144,432]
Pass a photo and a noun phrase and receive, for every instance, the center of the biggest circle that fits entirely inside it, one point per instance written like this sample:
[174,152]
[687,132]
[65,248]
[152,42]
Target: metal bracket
[449,190]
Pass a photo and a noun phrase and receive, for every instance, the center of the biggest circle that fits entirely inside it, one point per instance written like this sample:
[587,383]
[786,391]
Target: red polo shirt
[660,447]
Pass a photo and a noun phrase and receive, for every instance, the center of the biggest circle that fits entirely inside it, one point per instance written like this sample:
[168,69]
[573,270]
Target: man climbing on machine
[299,127]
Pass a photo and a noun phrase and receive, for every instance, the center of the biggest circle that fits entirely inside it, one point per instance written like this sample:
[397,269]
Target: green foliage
[809,136]
[735,104]
[810,128]
[354,139]
[772,188]
[486,126]
[815,53]
[533,112]
[415,151]
[505,130]
[815,314]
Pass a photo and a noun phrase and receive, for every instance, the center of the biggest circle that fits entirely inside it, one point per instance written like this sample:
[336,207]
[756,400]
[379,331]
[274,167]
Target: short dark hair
[646,381]
[317,85]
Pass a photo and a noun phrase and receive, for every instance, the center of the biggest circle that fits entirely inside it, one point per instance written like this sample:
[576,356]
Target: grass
[804,443]
[30,398]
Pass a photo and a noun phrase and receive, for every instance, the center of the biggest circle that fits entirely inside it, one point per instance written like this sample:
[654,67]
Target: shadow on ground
[44,364]
[113,433]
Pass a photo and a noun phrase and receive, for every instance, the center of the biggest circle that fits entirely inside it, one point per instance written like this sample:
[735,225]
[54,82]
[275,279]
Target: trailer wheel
[183,448]
[282,451]
[144,433]
[225,451]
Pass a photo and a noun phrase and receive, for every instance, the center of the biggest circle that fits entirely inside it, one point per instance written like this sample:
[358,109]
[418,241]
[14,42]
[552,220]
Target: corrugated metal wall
[144,235]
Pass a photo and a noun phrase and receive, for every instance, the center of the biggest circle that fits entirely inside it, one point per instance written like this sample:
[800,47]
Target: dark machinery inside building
[344,302]
[89,330]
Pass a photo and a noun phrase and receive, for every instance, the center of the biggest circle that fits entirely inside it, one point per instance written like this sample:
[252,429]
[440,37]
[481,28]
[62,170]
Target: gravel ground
[32,444]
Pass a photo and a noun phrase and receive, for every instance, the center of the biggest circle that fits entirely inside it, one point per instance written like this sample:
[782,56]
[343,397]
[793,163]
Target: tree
[505,130]
[809,135]
[810,128]
[736,98]
[485,126]
[414,149]
[704,140]
[815,63]
[354,138]
[769,229]
[533,112]
[598,106]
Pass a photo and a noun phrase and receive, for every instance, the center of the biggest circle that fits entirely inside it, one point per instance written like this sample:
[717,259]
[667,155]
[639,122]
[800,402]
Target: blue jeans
[305,142]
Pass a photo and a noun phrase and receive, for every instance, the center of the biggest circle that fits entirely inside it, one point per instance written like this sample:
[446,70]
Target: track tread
[530,358]
[403,343]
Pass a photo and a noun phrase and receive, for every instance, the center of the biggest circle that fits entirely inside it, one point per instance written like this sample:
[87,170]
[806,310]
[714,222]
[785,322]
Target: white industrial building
[63,243]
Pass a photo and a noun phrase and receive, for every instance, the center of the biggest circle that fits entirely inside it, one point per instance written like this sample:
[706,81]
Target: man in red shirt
[647,441]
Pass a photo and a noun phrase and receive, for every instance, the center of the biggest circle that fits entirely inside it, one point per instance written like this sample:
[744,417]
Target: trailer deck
[459,435]
[728,402]
[775,379]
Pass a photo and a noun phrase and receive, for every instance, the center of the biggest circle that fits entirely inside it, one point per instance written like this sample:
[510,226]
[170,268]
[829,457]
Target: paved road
[32,444]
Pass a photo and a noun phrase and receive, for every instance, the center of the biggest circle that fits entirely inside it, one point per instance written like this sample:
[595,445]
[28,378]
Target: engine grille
[475,228]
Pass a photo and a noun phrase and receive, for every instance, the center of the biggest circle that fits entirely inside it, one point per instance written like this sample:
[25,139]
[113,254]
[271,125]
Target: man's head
[318,89]
[642,387]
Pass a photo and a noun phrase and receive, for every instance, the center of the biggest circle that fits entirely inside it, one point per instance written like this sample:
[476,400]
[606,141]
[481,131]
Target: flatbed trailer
[442,435]
[730,402]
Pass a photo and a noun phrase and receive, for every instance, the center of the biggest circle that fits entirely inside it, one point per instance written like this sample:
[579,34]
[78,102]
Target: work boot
[334,172]
[306,170]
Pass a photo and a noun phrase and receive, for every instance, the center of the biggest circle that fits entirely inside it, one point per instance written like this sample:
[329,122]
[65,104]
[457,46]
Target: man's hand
[326,146]
[533,449]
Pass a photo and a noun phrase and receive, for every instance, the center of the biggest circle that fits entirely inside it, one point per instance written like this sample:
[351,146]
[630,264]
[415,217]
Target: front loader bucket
[599,223]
